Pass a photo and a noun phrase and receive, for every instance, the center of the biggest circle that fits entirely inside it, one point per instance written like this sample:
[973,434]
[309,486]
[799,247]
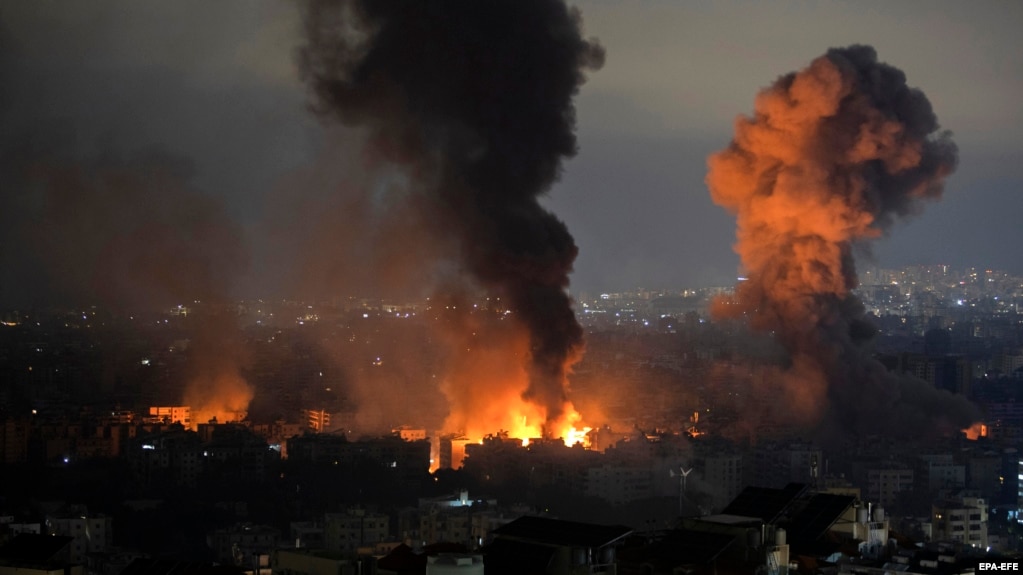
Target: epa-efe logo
[998,567]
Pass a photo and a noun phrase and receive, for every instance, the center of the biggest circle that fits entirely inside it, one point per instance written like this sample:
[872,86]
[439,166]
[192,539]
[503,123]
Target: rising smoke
[831,157]
[91,217]
[472,101]
[127,232]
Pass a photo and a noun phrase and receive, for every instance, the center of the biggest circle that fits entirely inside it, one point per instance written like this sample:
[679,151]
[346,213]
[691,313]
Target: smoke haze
[127,232]
[473,102]
[832,156]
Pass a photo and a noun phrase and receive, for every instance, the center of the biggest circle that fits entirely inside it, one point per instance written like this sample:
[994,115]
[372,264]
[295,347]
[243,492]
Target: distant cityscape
[323,446]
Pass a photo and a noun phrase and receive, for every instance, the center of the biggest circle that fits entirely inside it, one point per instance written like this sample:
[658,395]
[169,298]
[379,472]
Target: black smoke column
[474,100]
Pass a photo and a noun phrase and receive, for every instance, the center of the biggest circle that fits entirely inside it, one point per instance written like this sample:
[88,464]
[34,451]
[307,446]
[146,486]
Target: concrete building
[234,452]
[244,544]
[984,474]
[171,414]
[461,520]
[409,434]
[618,484]
[89,532]
[949,372]
[306,534]
[961,520]
[722,477]
[278,433]
[450,452]
[778,464]
[886,480]
[942,472]
[347,532]
[173,457]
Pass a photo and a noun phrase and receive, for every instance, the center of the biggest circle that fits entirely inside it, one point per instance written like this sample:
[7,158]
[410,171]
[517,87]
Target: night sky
[215,87]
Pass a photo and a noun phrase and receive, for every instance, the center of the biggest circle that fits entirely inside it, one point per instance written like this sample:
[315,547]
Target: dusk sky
[216,83]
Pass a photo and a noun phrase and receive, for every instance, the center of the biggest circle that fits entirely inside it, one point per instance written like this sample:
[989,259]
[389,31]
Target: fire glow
[524,428]
[221,397]
[975,431]
[565,430]
[488,384]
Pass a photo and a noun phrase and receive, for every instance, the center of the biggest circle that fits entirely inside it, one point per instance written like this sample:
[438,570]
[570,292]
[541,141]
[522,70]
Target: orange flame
[486,382]
[565,429]
[976,431]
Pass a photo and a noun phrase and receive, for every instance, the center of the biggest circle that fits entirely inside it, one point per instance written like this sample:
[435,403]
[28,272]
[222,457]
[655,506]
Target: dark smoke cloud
[338,228]
[92,212]
[831,157]
[120,230]
[126,232]
[474,101]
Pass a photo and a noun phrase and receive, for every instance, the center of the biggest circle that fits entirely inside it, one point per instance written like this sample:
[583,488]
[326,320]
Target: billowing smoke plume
[473,101]
[128,233]
[831,156]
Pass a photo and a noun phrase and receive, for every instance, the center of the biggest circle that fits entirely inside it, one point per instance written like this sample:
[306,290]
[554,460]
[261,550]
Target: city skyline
[345,286]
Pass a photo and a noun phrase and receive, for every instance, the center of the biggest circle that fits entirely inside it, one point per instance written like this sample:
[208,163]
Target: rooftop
[561,533]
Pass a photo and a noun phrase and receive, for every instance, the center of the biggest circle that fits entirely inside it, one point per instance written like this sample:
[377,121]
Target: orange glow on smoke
[976,431]
[486,380]
[485,384]
[822,166]
[224,396]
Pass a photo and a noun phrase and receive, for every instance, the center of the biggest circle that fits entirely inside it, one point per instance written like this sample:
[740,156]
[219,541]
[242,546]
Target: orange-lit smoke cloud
[830,157]
[221,395]
[215,388]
